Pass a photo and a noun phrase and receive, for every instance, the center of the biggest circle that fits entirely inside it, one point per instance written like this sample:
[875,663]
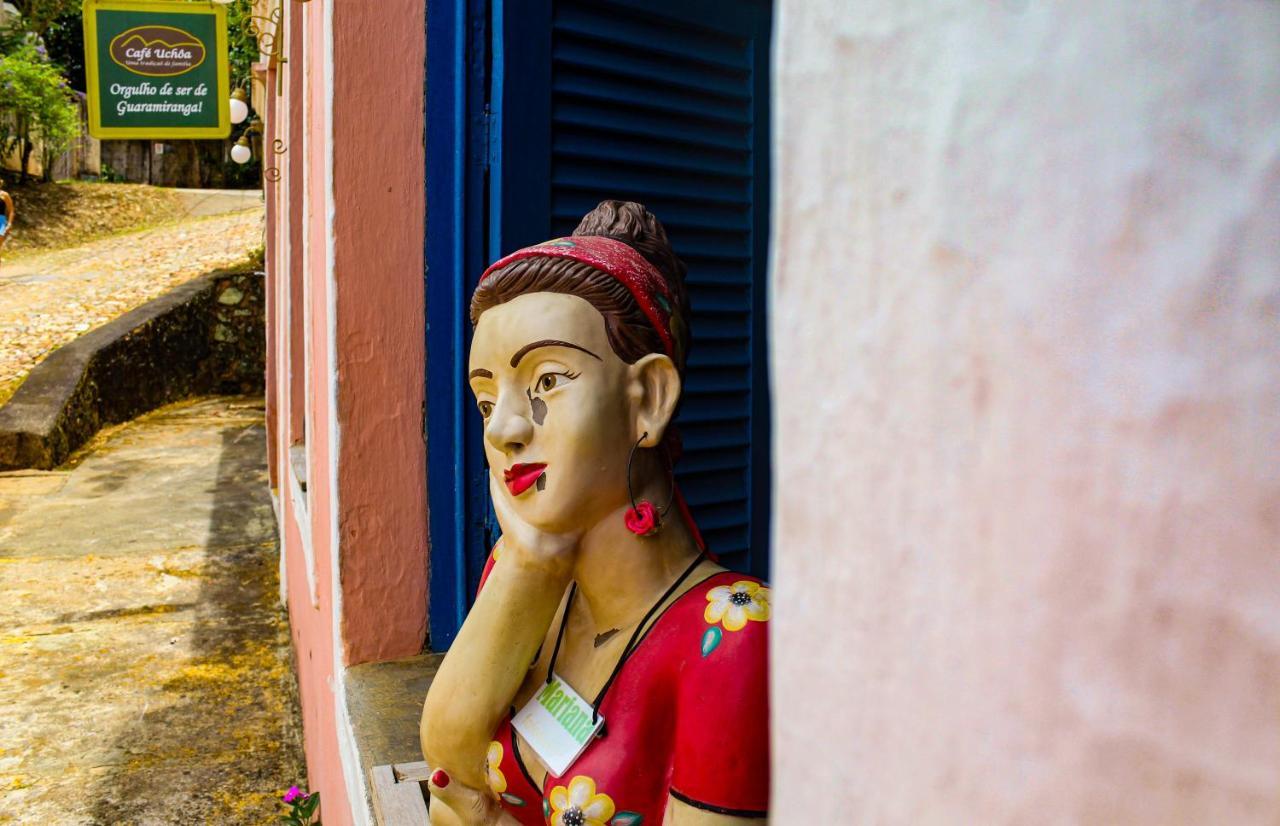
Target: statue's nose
[509,427]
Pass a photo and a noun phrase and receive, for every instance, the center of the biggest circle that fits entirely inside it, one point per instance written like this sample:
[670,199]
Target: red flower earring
[644,519]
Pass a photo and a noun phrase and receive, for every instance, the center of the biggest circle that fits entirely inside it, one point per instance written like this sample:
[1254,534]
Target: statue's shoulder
[724,688]
[731,612]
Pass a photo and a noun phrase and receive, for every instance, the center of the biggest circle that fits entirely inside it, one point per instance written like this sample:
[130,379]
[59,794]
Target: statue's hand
[459,805]
[553,550]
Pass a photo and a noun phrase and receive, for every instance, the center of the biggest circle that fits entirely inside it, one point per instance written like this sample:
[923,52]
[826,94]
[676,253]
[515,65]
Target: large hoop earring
[644,519]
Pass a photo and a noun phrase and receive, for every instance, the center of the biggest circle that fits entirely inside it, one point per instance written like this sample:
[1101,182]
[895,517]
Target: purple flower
[293,794]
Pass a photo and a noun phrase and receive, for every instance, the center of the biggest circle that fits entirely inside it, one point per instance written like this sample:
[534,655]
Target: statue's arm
[479,677]
[680,813]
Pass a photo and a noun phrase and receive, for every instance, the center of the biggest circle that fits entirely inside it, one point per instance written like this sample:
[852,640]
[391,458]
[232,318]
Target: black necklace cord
[564,617]
[631,643]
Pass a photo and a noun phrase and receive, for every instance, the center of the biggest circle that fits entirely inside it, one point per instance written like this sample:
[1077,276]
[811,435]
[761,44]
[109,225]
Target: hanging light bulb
[241,153]
[239,106]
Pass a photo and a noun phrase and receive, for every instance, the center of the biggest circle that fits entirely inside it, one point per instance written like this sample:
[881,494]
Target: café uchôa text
[160,54]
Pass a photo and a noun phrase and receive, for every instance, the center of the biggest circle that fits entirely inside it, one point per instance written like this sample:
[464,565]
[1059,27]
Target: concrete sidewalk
[144,658]
[201,202]
[51,298]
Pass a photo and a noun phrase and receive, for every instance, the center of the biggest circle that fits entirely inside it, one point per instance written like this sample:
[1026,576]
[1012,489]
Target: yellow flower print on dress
[579,804]
[734,605]
[492,774]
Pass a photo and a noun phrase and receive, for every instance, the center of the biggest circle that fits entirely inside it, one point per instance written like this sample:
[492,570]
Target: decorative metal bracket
[269,42]
[272,173]
[266,31]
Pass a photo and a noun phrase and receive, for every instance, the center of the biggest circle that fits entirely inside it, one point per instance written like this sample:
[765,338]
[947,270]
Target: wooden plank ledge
[400,793]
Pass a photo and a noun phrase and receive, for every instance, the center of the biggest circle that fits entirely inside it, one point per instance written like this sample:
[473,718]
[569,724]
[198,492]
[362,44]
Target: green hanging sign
[157,69]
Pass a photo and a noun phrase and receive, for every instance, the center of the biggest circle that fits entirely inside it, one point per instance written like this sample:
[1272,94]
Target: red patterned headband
[619,260]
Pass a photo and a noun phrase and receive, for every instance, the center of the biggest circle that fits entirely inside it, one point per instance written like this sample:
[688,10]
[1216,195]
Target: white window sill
[297,484]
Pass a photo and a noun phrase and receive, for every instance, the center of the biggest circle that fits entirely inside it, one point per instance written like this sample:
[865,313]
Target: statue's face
[558,422]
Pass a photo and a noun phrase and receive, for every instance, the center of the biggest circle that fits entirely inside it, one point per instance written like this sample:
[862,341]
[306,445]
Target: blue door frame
[468,49]
[479,208]
[457,145]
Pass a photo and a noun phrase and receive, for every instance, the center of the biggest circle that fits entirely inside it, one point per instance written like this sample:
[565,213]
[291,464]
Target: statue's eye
[486,408]
[550,381]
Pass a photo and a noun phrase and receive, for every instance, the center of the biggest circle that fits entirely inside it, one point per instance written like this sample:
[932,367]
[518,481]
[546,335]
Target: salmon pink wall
[272,266]
[313,653]
[378,53]
[347,360]
[315,624]
[290,236]
[1026,353]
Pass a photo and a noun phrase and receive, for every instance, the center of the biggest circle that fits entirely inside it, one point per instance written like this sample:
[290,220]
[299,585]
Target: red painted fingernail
[439,778]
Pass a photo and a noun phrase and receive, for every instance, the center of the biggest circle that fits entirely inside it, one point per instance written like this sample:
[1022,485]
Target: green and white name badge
[556,722]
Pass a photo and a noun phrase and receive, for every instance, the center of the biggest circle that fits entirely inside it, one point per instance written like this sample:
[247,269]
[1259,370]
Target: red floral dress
[686,717]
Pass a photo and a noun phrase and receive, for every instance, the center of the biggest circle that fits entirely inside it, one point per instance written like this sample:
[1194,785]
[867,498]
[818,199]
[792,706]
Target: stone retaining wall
[204,337]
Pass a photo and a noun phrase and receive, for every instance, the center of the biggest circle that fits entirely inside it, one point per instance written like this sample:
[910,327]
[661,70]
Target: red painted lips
[521,477]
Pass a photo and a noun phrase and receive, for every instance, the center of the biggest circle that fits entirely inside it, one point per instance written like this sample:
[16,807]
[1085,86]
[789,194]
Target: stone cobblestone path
[48,299]
[145,672]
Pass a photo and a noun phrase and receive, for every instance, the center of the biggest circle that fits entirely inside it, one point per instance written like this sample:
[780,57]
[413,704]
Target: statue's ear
[655,392]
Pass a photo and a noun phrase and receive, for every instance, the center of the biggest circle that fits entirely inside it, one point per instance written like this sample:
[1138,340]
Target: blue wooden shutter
[537,110]
[666,103]
[457,138]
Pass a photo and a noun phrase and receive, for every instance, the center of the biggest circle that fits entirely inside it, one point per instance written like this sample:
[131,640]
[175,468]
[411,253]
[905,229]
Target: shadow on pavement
[226,740]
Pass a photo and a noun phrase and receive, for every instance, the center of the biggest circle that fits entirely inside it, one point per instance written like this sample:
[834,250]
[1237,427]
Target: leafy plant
[242,45]
[64,37]
[38,104]
[110,175]
[39,15]
[302,806]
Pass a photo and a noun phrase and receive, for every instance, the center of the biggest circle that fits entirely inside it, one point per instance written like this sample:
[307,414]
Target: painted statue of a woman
[610,672]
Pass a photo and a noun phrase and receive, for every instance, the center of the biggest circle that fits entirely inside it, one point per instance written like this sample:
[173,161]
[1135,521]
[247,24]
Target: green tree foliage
[242,43]
[242,53]
[12,35]
[39,15]
[54,24]
[35,102]
[65,40]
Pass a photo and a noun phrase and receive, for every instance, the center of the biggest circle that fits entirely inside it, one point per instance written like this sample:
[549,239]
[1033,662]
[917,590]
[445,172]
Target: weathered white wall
[1026,354]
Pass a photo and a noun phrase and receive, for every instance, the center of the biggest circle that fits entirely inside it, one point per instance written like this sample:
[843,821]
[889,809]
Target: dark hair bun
[631,332]
[635,225]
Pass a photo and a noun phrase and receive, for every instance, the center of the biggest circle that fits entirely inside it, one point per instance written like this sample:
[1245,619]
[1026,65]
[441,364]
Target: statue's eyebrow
[480,372]
[549,342]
